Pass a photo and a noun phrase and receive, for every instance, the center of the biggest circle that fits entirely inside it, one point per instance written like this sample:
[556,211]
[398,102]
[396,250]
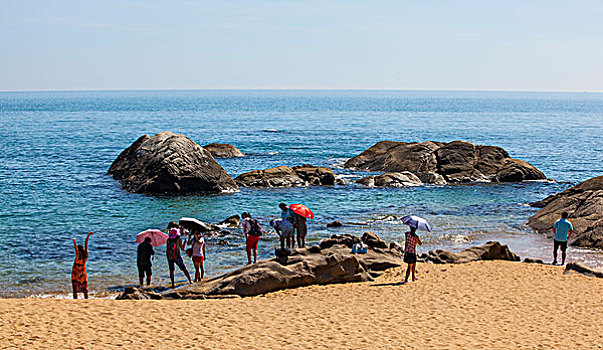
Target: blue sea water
[57,147]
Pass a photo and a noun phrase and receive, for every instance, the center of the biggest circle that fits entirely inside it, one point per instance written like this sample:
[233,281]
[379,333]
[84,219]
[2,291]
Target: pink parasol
[157,237]
[302,210]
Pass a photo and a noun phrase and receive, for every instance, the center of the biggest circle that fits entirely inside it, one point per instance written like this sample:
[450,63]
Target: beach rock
[223,150]
[373,241]
[334,224]
[440,163]
[582,269]
[284,176]
[133,293]
[489,251]
[232,221]
[403,179]
[169,163]
[533,261]
[584,203]
[302,267]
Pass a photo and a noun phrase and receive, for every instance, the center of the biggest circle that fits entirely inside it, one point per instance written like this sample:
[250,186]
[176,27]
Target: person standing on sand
[197,242]
[410,254]
[174,245]
[79,277]
[252,232]
[143,260]
[563,230]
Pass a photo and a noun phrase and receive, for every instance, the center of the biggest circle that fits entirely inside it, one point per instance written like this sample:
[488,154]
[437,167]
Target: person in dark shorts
[174,245]
[410,255]
[143,260]
[563,230]
[302,230]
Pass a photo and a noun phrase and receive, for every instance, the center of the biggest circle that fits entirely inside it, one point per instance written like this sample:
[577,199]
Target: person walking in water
[197,242]
[252,231]
[410,255]
[143,260]
[79,277]
[563,230]
[174,245]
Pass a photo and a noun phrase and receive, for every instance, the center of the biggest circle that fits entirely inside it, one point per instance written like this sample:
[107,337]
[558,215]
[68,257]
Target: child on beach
[79,277]
[197,242]
[252,232]
[410,255]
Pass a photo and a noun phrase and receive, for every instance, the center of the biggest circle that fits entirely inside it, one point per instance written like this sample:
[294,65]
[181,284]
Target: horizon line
[299,89]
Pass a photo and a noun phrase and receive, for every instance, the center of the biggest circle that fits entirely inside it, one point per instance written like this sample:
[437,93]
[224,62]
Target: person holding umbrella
[147,240]
[301,213]
[174,245]
[410,243]
[143,260]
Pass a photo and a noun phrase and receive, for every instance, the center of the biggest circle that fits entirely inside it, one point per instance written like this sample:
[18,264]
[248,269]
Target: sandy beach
[480,305]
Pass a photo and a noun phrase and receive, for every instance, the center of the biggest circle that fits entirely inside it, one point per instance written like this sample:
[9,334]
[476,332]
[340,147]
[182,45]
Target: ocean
[57,148]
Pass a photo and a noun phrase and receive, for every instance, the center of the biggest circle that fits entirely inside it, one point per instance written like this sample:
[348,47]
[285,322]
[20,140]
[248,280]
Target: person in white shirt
[198,244]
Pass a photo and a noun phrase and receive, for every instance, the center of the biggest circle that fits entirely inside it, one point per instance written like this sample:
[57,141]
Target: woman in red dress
[79,278]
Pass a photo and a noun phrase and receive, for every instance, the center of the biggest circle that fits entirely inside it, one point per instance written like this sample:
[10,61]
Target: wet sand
[481,305]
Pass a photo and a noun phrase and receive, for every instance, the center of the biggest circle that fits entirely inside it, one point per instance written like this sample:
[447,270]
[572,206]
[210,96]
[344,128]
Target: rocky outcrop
[489,251]
[403,179]
[284,176]
[439,163]
[319,264]
[233,221]
[584,203]
[133,293]
[169,163]
[582,269]
[334,224]
[223,150]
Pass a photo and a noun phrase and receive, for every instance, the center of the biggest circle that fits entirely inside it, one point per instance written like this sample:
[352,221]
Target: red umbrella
[302,210]
[157,237]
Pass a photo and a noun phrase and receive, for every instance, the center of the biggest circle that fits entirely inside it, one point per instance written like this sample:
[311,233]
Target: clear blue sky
[294,44]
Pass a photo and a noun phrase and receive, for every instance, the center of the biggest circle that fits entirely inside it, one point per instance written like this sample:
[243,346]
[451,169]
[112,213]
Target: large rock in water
[584,204]
[434,162]
[223,150]
[314,265]
[169,163]
[284,176]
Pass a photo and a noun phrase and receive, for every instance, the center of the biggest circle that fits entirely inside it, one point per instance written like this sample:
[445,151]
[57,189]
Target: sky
[524,45]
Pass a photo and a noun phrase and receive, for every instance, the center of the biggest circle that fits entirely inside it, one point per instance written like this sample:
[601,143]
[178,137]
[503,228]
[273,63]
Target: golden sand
[481,305]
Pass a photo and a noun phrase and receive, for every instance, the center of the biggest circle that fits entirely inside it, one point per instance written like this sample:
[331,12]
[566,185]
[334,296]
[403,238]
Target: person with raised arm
[79,277]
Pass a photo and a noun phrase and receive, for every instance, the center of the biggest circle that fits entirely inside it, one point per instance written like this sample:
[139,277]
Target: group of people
[174,246]
[285,226]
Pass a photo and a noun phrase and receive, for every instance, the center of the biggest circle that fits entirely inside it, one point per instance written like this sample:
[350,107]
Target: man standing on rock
[563,230]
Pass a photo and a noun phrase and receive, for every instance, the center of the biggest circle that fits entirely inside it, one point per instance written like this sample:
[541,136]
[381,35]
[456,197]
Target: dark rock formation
[284,176]
[489,251]
[533,261]
[315,265]
[584,203]
[169,163]
[334,224]
[403,179]
[454,162]
[583,269]
[232,221]
[133,293]
[223,150]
